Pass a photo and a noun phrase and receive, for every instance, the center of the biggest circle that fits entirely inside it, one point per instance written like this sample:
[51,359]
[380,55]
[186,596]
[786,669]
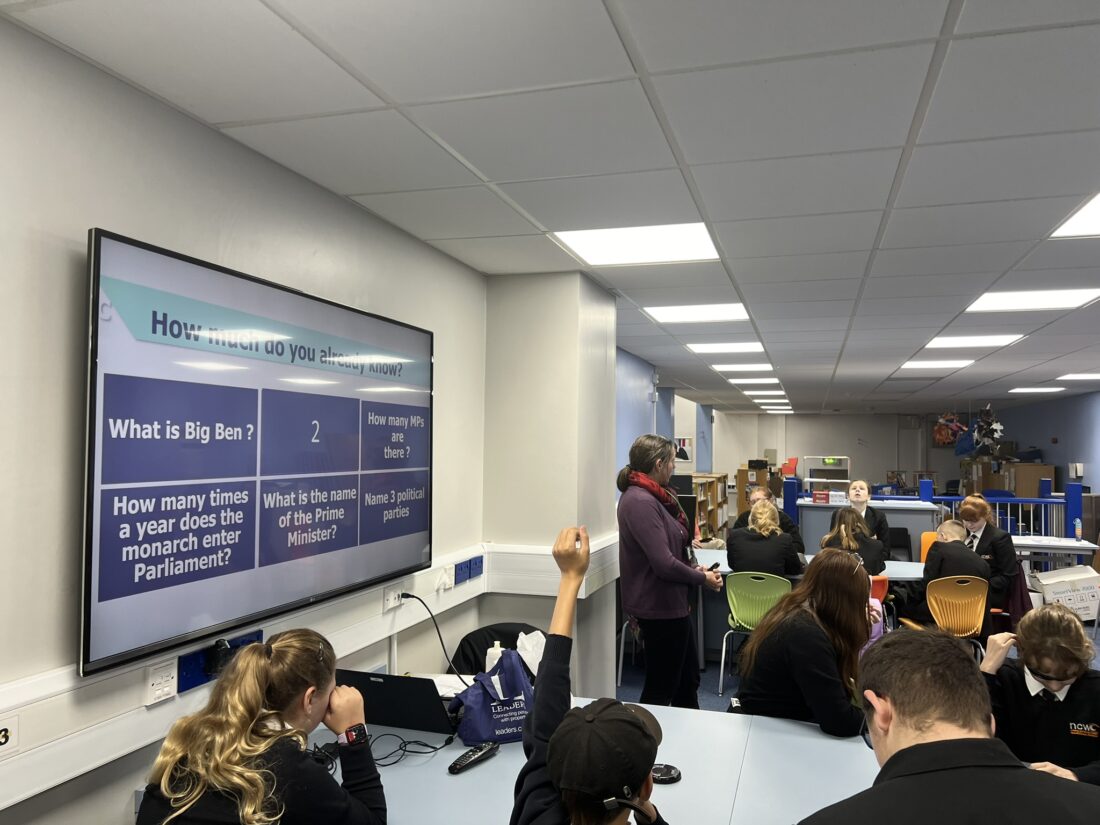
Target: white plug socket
[391,598]
[160,682]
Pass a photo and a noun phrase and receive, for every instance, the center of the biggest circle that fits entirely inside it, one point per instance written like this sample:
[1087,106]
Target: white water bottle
[492,656]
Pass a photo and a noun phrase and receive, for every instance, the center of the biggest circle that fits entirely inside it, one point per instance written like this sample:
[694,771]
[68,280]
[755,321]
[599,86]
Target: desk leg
[699,627]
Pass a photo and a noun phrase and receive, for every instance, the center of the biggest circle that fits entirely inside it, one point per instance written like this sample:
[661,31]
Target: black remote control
[473,756]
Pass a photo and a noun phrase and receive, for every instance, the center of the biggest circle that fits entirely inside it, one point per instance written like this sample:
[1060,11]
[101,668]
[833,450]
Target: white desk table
[1034,547]
[730,762]
[901,571]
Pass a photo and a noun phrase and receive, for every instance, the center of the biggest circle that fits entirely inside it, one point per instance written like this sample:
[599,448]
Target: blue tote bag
[495,706]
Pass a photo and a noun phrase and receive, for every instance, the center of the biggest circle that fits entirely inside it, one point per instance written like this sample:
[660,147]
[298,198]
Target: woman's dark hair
[645,452]
[845,533]
[835,591]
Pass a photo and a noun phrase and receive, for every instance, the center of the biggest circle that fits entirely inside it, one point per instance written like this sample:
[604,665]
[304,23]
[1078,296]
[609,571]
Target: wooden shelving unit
[713,509]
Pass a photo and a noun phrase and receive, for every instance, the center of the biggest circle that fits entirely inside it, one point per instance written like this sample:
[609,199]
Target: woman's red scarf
[667,499]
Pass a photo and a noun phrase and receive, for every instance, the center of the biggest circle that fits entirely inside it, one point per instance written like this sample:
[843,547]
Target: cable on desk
[403,747]
[437,633]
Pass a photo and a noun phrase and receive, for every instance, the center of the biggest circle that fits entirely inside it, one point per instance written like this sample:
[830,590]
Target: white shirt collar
[978,533]
[1035,687]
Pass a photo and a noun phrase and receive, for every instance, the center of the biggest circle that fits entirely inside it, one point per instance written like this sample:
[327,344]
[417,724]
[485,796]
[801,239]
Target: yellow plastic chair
[957,604]
[750,596]
[927,539]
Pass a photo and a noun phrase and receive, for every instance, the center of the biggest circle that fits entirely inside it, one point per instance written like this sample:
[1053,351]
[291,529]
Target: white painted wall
[684,413]
[81,149]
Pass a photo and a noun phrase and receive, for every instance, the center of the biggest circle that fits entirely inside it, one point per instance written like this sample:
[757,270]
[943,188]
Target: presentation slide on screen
[253,448]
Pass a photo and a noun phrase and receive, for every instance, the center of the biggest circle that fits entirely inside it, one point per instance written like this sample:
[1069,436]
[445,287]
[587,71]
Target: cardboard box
[1076,587]
[821,496]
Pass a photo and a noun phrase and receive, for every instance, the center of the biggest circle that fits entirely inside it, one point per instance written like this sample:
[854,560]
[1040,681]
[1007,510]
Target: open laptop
[392,701]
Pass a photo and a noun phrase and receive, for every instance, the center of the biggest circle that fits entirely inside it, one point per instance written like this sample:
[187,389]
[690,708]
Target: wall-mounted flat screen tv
[250,450]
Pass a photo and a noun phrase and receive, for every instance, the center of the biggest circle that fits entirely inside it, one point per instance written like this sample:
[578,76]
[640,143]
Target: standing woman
[657,579]
[850,533]
[802,661]
[858,496]
[242,758]
[992,544]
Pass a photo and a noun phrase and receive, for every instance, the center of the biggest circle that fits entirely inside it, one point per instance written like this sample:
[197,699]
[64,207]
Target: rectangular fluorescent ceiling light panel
[754,380]
[1084,223]
[1038,389]
[712,348]
[780,412]
[936,365]
[962,341]
[641,244]
[697,313]
[742,367]
[1080,376]
[1033,300]
[765,392]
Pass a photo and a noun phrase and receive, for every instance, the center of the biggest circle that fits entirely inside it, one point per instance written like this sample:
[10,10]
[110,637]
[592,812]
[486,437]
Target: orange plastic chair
[927,538]
[880,586]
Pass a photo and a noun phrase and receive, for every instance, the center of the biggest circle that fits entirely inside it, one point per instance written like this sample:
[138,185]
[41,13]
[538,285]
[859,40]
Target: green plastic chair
[750,596]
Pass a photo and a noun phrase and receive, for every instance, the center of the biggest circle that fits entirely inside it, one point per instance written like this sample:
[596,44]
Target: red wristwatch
[353,735]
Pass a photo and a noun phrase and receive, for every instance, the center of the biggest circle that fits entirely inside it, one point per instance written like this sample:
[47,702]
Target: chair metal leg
[722,663]
[622,651]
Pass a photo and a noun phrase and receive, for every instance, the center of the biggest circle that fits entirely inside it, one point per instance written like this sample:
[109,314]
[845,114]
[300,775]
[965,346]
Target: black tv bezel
[89,667]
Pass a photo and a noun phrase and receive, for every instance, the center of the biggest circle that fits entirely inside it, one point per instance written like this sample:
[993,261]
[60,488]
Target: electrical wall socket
[391,597]
[446,578]
[160,682]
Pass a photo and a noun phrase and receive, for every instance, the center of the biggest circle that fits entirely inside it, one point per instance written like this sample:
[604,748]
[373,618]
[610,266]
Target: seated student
[928,718]
[762,547]
[242,758]
[991,543]
[1047,701]
[587,765]
[850,533]
[877,526]
[948,556]
[801,661]
[786,524]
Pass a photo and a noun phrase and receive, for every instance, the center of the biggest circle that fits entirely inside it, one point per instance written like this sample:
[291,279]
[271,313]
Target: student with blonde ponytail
[242,758]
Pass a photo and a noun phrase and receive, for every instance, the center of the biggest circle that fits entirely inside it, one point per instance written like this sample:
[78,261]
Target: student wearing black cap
[590,765]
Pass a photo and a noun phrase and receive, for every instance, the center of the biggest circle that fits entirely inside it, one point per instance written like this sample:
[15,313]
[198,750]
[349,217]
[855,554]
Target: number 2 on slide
[316,432]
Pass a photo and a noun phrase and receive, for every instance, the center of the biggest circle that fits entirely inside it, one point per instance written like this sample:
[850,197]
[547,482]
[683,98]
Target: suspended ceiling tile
[947,260]
[1004,169]
[844,232]
[468,212]
[848,182]
[1050,279]
[505,256]
[799,268]
[704,273]
[977,223]
[917,286]
[839,323]
[796,310]
[823,290]
[607,201]
[890,322]
[1063,253]
[220,61]
[862,100]
[994,15]
[681,296]
[419,51]
[702,32]
[358,153]
[985,80]
[583,130]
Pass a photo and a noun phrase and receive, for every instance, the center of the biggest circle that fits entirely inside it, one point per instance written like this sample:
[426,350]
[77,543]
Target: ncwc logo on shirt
[1084,729]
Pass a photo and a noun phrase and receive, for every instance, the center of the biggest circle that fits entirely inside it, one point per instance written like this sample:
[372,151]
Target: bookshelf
[713,511]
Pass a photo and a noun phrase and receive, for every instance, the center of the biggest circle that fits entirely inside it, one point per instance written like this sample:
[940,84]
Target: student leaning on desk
[1047,701]
[930,725]
[590,765]
[242,758]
